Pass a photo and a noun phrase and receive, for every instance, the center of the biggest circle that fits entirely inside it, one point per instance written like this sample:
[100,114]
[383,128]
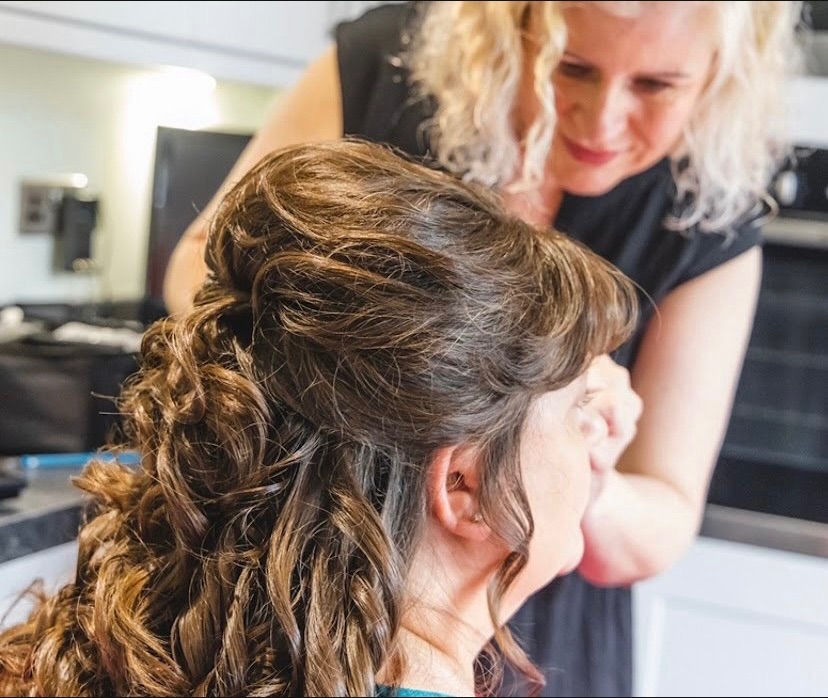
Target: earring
[476,518]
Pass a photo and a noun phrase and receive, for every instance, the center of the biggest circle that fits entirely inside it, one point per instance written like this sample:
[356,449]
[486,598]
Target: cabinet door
[146,34]
[165,19]
[733,620]
[295,32]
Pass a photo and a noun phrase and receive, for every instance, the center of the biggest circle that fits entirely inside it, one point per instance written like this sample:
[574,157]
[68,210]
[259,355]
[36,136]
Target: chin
[576,557]
[589,184]
[570,566]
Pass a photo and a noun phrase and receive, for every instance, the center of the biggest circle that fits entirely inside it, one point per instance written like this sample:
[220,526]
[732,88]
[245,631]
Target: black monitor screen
[189,168]
[816,14]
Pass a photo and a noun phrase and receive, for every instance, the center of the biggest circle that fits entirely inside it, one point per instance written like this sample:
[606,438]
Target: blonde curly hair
[468,56]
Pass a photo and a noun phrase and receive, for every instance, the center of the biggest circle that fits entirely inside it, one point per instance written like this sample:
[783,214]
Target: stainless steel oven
[772,475]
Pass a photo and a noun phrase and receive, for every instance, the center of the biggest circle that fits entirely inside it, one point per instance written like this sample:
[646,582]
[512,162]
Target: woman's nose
[605,112]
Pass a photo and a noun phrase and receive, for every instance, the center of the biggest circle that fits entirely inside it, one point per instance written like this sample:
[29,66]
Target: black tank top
[578,634]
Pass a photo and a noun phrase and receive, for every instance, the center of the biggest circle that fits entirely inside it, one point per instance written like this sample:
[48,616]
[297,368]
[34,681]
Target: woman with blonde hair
[364,447]
[649,132]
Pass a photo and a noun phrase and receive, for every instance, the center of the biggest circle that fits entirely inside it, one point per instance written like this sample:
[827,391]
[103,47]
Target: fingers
[616,406]
[594,426]
[621,413]
[603,373]
[613,396]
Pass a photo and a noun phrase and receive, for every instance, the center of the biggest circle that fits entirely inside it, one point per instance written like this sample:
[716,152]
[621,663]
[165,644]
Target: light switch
[39,207]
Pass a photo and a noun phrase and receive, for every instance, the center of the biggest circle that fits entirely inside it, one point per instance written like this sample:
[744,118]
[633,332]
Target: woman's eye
[652,86]
[573,70]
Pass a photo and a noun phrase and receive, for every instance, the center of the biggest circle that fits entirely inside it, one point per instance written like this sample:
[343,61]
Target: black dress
[578,634]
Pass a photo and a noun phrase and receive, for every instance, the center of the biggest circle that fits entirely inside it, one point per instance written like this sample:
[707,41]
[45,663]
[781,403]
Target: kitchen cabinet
[163,19]
[732,619]
[259,43]
[295,32]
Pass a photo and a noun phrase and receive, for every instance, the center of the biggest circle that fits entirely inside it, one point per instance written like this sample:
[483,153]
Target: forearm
[638,527]
[185,272]
[686,373]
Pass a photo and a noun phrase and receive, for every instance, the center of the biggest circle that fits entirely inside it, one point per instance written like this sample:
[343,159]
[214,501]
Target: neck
[443,664]
[445,627]
[537,206]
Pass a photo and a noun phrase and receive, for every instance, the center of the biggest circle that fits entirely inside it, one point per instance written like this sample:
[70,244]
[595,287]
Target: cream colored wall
[62,114]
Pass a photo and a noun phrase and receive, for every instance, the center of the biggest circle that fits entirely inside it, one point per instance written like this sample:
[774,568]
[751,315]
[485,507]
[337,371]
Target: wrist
[602,498]
[620,545]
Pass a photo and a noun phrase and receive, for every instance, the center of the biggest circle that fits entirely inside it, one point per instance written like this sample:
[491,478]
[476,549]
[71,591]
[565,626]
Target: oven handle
[765,530]
[797,232]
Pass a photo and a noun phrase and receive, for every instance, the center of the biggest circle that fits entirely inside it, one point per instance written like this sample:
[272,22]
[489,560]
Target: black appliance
[77,218]
[189,168]
[774,459]
[59,393]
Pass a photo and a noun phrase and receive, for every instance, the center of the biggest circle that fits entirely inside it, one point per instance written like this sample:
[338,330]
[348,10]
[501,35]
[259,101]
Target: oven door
[774,459]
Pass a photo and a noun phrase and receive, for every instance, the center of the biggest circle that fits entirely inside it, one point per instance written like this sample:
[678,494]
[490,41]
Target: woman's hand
[615,409]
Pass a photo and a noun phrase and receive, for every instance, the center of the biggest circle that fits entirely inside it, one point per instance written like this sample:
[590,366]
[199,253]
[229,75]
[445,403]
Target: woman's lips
[587,155]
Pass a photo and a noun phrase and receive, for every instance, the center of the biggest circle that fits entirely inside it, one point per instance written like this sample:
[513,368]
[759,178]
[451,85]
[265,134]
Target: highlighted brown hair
[360,312]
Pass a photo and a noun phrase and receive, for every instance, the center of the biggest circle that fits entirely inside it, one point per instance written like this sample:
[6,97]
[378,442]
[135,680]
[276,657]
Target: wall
[808,111]
[62,114]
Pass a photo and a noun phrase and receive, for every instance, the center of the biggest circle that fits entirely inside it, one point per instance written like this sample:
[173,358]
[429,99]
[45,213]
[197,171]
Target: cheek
[660,127]
[578,466]
[580,474]
[563,478]
[569,93]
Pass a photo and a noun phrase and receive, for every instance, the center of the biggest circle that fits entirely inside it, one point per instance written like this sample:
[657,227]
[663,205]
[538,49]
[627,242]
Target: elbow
[644,553]
[636,566]
[663,557]
[680,531]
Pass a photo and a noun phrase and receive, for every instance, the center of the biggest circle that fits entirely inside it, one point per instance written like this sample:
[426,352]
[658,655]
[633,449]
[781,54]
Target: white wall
[62,114]
[808,111]
[54,566]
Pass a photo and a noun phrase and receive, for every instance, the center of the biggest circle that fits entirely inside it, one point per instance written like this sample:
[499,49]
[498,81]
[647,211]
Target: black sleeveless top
[578,634]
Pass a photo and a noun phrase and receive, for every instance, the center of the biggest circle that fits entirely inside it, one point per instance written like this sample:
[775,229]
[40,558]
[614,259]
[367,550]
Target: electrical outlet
[39,204]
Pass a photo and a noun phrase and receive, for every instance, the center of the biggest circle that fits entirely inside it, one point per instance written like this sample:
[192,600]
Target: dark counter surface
[46,513]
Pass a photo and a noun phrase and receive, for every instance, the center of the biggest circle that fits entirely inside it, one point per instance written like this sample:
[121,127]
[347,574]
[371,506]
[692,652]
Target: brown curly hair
[361,311]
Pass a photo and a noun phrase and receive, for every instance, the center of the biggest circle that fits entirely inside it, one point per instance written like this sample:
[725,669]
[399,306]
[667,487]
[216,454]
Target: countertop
[48,513]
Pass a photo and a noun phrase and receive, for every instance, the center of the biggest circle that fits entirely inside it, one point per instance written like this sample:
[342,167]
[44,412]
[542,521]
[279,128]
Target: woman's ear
[454,492]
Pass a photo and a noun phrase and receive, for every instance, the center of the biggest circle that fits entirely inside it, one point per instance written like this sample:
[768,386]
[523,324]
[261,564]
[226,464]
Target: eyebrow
[664,75]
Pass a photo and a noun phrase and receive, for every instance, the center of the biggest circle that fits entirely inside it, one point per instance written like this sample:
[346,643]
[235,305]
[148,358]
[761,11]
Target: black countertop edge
[765,530]
[46,513]
[40,531]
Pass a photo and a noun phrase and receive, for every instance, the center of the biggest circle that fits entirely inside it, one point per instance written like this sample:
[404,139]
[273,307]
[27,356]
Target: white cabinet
[55,566]
[161,18]
[733,620]
[264,43]
[296,32]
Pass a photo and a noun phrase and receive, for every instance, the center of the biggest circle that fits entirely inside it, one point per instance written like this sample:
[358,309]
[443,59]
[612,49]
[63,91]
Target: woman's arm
[311,111]
[650,508]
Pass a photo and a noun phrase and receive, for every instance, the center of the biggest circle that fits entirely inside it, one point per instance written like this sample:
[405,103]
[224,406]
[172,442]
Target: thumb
[593,427]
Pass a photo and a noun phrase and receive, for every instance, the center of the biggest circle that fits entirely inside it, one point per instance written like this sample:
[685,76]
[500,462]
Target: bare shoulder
[309,111]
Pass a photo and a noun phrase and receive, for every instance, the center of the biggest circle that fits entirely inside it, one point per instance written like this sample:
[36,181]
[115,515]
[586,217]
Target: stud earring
[476,518]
